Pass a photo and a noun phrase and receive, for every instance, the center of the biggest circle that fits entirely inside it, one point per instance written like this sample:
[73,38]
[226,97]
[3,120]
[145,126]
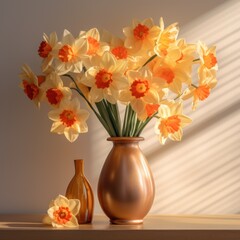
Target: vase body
[126,186]
[79,188]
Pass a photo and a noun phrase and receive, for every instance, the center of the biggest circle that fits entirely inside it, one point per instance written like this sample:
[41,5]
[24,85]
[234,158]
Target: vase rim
[125,139]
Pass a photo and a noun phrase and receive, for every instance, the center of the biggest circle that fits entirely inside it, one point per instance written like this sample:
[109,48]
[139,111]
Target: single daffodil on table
[62,212]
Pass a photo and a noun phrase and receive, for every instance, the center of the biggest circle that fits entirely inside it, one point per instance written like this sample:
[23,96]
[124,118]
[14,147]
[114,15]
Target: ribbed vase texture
[79,188]
[126,186]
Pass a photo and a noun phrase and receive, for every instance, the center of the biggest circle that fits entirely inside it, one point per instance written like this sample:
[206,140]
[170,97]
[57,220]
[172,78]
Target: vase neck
[125,140]
[79,166]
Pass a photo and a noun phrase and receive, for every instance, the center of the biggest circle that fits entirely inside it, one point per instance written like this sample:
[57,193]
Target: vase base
[126,222]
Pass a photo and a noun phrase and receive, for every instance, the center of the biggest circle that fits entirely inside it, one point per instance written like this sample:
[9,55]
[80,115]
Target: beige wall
[199,175]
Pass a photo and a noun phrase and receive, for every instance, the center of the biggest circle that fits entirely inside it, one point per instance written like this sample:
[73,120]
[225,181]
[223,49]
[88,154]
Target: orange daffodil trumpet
[148,70]
[62,212]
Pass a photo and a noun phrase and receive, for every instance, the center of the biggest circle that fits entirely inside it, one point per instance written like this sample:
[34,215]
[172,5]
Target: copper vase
[126,186]
[79,188]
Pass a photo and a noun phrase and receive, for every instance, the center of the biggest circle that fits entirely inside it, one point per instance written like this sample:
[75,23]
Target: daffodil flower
[70,53]
[200,93]
[143,89]
[54,89]
[62,212]
[69,119]
[170,121]
[31,84]
[141,36]
[46,49]
[208,58]
[165,38]
[106,78]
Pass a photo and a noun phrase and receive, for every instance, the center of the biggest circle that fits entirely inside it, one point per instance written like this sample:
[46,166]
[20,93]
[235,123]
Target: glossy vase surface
[126,187]
[79,188]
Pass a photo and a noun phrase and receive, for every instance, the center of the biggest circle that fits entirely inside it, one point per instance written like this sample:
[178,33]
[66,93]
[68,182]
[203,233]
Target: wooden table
[164,227]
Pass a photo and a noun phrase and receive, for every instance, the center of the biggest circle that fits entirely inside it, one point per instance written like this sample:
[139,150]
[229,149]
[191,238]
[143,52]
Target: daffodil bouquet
[149,71]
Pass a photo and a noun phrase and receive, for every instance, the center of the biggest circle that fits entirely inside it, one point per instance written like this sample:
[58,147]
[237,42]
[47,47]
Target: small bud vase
[79,188]
[126,186]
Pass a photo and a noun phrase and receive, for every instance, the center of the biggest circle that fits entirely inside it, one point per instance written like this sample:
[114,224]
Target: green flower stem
[194,85]
[102,121]
[138,122]
[125,121]
[104,114]
[143,124]
[133,127]
[129,122]
[112,117]
[196,60]
[149,60]
[116,116]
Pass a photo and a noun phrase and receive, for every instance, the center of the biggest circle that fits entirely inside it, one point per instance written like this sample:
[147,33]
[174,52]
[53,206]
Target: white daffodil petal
[164,111]
[71,134]
[72,223]
[57,127]
[61,201]
[74,206]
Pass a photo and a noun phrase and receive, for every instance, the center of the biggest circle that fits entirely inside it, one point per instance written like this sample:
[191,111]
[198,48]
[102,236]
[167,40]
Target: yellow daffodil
[208,58]
[165,38]
[175,68]
[118,49]
[54,89]
[171,76]
[141,35]
[106,78]
[46,49]
[62,212]
[31,84]
[69,53]
[143,89]
[69,119]
[171,121]
[95,46]
[200,93]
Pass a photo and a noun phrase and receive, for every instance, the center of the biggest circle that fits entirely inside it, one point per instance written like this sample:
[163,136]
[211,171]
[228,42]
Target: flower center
[93,46]
[140,32]
[30,89]
[202,92]
[44,49]
[66,53]
[139,88]
[62,215]
[171,124]
[103,79]
[210,60]
[120,52]
[165,73]
[68,118]
[54,96]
